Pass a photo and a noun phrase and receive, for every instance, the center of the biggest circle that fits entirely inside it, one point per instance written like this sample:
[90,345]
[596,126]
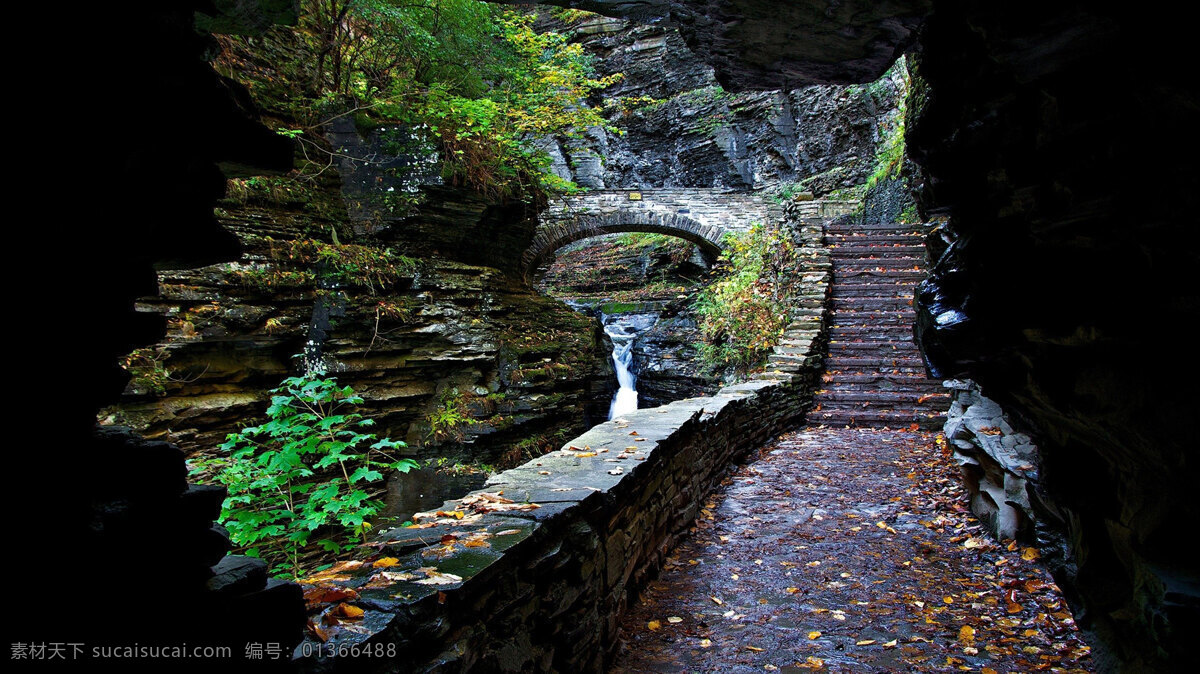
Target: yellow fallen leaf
[1029,554]
[966,634]
[791,590]
[814,634]
[586,454]
[705,643]
[348,611]
[716,601]
[864,642]
[653,625]
[988,670]
[756,649]
[385,562]
[890,644]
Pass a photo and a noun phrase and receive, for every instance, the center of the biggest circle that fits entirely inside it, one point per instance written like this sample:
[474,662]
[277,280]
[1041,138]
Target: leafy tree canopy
[474,78]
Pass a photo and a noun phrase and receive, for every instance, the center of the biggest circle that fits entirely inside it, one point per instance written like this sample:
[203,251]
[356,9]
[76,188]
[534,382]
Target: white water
[623,330]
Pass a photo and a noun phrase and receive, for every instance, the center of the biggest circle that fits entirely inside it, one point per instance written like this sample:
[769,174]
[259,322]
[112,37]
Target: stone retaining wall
[533,572]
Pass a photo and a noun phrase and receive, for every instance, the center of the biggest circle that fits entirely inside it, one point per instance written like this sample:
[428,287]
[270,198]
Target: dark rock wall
[694,133]
[1070,273]
[103,510]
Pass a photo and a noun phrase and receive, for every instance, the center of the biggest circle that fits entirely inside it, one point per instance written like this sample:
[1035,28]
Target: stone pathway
[847,546]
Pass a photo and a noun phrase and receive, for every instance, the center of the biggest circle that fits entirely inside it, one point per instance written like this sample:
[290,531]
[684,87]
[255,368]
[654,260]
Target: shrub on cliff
[744,312]
[303,473]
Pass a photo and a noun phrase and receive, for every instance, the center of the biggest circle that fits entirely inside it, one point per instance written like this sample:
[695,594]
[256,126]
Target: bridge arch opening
[553,236]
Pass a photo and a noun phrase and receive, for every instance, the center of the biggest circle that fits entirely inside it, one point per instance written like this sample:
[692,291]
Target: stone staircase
[874,376]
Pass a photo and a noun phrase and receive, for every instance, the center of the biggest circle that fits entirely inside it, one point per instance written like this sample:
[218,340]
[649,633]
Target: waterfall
[625,400]
[623,330]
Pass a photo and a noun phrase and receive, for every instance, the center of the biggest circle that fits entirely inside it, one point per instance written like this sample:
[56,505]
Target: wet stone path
[848,550]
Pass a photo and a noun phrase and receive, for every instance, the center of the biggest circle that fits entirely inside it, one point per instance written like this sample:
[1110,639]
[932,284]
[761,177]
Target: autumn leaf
[653,625]
[1029,554]
[347,611]
[814,635]
[385,562]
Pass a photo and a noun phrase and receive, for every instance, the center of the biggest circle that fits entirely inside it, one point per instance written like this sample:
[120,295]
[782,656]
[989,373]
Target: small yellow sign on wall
[635,196]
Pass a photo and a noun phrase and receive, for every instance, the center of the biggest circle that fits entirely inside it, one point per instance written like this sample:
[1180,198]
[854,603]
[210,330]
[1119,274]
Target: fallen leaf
[436,577]
[864,642]
[653,625]
[756,649]
[674,620]
[385,562]
[716,601]
[347,611]
[705,643]
[1029,554]
[966,634]
[814,634]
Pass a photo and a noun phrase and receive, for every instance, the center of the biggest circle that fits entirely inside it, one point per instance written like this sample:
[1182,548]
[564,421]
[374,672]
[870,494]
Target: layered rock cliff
[681,128]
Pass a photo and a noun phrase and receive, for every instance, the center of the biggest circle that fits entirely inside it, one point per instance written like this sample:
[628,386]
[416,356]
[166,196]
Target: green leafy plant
[744,312]
[447,420]
[302,474]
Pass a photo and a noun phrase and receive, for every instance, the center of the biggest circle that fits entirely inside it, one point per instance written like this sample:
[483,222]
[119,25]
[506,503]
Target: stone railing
[533,572]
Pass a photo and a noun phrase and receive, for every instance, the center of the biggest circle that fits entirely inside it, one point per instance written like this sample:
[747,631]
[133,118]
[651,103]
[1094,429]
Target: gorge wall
[441,334]
[681,128]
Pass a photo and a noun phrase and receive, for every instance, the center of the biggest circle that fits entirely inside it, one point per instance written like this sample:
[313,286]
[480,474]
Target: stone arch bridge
[700,215]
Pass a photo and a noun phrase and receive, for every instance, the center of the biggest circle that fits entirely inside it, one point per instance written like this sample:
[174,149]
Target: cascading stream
[623,330]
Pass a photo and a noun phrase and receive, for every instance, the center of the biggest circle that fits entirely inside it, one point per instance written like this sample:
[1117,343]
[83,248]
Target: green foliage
[474,78]
[300,262]
[302,474]
[449,418]
[743,314]
[889,156]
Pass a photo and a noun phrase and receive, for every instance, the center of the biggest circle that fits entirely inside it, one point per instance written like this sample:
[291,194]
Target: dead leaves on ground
[919,586]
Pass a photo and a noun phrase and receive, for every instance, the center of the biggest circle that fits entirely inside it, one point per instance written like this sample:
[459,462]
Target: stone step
[937,399]
[865,301]
[877,419]
[839,360]
[855,277]
[877,291]
[865,315]
[851,250]
[876,228]
[840,239]
[877,263]
[882,381]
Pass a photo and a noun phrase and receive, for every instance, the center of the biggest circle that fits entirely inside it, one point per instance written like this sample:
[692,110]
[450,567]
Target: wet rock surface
[848,550]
